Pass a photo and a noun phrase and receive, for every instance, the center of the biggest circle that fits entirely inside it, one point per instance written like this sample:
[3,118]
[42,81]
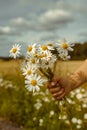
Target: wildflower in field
[31,49]
[34,82]
[84,105]
[46,99]
[15,51]
[74,120]
[38,105]
[46,64]
[64,56]
[79,96]
[45,48]
[77,91]
[34,118]
[64,117]
[40,122]
[78,126]
[64,46]
[79,121]
[51,113]
[70,101]
[28,70]
[85,116]
[32,60]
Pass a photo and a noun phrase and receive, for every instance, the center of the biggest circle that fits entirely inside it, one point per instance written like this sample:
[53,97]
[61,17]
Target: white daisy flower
[15,51]
[74,120]
[28,70]
[85,116]
[41,122]
[64,56]
[52,113]
[52,58]
[79,121]
[45,48]
[38,105]
[31,59]
[78,126]
[48,61]
[47,56]
[64,46]
[46,64]
[34,82]
[31,49]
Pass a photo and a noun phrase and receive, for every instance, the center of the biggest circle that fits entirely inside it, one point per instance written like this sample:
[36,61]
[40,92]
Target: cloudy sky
[30,21]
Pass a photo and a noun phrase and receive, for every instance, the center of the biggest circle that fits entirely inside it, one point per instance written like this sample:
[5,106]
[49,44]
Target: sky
[39,21]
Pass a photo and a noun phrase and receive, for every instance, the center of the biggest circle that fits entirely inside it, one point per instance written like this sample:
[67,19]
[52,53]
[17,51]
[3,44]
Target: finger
[58,94]
[51,85]
[56,79]
[55,90]
[47,84]
[61,96]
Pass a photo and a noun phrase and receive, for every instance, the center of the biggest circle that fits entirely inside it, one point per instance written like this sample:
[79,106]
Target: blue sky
[30,21]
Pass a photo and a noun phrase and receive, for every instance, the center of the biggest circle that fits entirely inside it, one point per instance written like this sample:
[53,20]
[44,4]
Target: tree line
[80,51]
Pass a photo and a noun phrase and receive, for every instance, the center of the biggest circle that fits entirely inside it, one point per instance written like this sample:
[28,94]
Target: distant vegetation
[80,51]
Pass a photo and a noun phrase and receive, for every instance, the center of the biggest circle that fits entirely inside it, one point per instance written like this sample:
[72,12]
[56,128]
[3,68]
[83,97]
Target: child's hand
[60,87]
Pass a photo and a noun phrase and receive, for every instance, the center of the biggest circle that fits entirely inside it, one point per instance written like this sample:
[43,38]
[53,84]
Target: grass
[8,68]
[34,111]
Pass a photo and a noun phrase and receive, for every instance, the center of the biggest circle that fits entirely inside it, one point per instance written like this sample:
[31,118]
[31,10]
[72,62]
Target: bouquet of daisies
[39,62]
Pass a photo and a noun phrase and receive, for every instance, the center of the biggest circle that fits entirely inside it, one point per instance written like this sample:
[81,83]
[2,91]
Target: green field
[39,111]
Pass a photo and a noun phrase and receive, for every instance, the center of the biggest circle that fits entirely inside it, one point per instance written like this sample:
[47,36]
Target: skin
[59,87]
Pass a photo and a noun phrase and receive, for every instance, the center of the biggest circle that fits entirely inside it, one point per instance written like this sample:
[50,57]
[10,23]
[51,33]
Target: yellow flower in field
[34,82]
[15,51]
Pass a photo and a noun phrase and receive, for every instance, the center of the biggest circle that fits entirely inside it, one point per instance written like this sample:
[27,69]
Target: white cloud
[55,15]
[6,30]
[53,19]
[50,20]
[19,21]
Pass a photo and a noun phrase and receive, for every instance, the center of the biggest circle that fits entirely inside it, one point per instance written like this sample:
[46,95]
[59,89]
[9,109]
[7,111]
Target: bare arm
[61,86]
[80,75]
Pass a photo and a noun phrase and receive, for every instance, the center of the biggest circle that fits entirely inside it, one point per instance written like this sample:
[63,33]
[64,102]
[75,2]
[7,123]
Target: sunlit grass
[32,111]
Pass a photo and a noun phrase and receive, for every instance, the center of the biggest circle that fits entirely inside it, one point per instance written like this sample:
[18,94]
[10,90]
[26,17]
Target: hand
[59,87]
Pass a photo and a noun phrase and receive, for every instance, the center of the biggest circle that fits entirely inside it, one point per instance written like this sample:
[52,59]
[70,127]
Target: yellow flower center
[47,63]
[33,60]
[30,48]
[64,45]
[34,82]
[41,56]
[29,72]
[44,47]
[14,50]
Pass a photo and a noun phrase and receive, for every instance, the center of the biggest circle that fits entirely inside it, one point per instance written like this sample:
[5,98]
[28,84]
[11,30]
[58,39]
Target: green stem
[45,74]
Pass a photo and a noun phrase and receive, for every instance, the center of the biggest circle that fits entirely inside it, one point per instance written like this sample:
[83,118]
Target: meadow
[39,111]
